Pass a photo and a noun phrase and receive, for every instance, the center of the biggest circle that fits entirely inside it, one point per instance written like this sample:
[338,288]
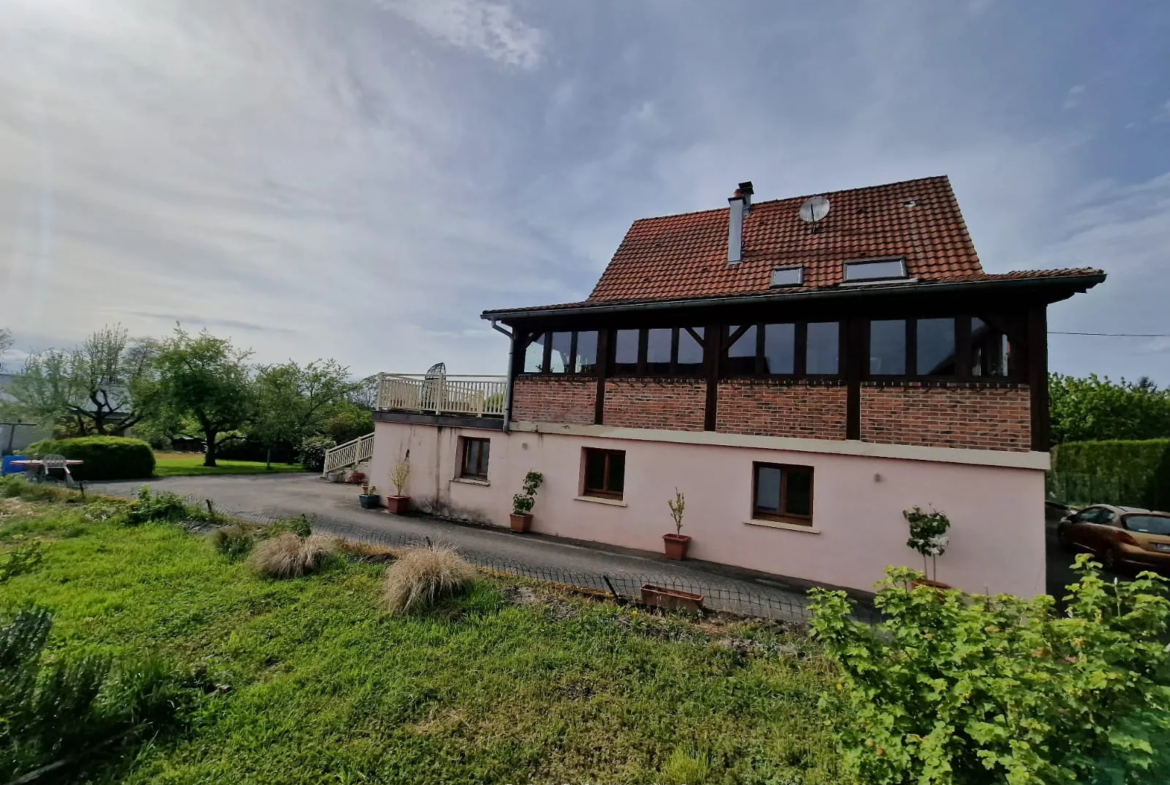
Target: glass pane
[594,470]
[658,351]
[625,357]
[799,501]
[690,351]
[617,472]
[824,348]
[887,347]
[534,354]
[741,357]
[779,348]
[989,350]
[562,345]
[587,352]
[768,489]
[936,347]
[869,271]
[485,448]
[470,456]
[788,276]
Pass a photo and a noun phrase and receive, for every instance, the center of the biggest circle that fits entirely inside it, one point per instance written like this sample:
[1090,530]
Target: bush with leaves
[164,507]
[234,541]
[961,690]
[313,451]
[21,560]
[523,502]
[102,457]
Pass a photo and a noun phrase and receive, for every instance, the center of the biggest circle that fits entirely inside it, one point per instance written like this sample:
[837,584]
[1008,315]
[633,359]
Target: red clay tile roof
[680,256]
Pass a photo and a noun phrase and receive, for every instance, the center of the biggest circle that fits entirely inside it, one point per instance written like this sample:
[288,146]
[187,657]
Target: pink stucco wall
[997,514]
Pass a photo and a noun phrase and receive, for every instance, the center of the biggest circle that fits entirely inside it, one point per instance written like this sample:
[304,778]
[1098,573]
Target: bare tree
[5,343]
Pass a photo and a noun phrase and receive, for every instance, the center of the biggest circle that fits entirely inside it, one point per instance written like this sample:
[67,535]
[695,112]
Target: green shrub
[313,451]
[1126,472]
[165,507]
[20,561]
[973,690]
[235,541]
[105,457]
[300,525]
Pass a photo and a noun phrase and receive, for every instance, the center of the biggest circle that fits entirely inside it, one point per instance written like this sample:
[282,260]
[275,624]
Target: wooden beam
[603,360]
[854,360]
[1038,375]
[712,350]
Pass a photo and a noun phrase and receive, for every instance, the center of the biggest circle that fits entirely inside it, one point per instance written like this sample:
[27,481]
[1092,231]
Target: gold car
[1120,537]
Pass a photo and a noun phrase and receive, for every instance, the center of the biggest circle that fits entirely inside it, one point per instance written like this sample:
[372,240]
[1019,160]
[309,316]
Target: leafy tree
[347,422]
[1096,409]
[293,401]
[5,343]
[207,379]
[103,387]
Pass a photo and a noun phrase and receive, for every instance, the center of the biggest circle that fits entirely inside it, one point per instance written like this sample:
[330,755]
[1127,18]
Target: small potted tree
[399,477]
[928,536]
[676,544]
[522,503]
[369,497]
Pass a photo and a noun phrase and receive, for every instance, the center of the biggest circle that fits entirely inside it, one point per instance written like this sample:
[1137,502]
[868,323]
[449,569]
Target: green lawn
[504,685]
[185,464]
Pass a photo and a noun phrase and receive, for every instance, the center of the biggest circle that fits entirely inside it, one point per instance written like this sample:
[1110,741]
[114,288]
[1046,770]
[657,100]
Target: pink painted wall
[997,514]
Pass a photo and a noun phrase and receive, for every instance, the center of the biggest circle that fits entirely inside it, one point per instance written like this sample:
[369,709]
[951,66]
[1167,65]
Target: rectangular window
[990,350]
[823,349]
[658,348]
[880,270]
[741,354]
[782,493]
[561,359]
[625,355]
[534,355]
[788,276]
[690,350]
[935,347]
[605,473]
[475,458]
[780,349]
[887,347]
[586,362]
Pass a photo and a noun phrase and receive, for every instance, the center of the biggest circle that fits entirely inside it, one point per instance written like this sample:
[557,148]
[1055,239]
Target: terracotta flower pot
[676,546]
[521,521]
[397,504]
[671,599]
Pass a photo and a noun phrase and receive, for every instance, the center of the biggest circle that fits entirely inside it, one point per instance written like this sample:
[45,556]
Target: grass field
[509,684]
[181,464]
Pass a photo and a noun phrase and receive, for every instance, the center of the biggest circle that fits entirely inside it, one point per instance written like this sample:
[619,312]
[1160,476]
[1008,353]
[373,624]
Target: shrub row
[1130,472]
[103,457]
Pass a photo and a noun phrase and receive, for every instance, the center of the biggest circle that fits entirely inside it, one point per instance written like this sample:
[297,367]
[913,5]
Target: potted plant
[399,476]
[676,544]
[522,503]
[928,536]
[369,497]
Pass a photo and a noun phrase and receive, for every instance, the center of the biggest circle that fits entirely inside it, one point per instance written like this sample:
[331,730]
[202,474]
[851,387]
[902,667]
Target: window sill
[600,500]
[470,481]
[794,527]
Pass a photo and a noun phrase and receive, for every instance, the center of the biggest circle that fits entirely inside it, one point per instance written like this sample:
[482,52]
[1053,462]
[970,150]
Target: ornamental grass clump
[421,576]
[290,556]
[961,690]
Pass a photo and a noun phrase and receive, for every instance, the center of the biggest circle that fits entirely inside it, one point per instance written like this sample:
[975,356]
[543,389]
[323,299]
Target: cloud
[1163,114]
[1072,99]
[488,28]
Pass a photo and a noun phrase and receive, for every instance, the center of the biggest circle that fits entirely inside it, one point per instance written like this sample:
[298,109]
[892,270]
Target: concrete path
[334,509]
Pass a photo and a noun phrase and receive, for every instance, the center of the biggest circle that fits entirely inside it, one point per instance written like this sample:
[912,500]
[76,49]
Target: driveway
[334,510]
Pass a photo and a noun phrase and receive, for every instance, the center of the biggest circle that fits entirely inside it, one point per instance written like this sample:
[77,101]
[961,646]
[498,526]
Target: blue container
[7,468]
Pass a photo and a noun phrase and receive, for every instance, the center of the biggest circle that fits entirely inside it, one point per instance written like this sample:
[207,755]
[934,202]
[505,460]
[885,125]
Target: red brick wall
[981,418]
[760,407]
[559,399]
[668,404]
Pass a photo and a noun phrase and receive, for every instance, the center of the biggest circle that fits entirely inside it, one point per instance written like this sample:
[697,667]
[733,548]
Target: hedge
[105,457]
[1131,472]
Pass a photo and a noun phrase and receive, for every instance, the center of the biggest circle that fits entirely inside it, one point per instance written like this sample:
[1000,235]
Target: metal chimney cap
[746,187]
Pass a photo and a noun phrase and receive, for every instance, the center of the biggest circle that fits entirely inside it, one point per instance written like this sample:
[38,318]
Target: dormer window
[875,270]
[787,276]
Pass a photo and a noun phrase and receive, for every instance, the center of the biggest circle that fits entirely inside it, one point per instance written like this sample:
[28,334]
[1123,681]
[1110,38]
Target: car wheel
[1063,541]
[1109,559]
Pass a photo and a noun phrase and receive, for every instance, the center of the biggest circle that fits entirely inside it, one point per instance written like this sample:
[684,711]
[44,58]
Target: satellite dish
[814,209]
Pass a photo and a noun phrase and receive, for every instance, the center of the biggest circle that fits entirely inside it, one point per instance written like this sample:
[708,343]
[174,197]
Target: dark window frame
[470,473]
[800,351]
[642,369]
[963,351]
[783,516]
[604,492]
[546,358]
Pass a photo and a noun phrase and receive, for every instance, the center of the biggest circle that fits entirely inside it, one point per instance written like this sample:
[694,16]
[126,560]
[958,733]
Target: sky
[359,179]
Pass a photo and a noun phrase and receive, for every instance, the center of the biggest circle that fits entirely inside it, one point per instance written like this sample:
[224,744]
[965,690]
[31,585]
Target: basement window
[788,276]
[782,493]
[474,465]
[605,473]
[877,270]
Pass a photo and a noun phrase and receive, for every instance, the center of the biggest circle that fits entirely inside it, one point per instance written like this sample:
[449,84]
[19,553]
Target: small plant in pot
[523,502]
[369,497]
[677,543]
[399,477]
[928,536]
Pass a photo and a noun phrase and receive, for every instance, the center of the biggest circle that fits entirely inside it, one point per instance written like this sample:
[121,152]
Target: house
[803,370]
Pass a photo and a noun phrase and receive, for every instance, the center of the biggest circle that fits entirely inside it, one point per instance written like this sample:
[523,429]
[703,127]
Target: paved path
[335,510]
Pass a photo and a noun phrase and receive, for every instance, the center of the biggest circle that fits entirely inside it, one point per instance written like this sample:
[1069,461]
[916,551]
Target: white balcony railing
[442,394]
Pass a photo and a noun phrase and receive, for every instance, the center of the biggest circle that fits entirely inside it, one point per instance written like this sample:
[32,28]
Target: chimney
[741,205]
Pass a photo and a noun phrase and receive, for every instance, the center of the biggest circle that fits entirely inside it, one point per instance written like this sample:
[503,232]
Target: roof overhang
[1045,289]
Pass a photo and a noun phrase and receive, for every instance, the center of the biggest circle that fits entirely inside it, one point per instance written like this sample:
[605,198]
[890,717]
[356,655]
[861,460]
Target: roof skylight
[876,270]
[788,276]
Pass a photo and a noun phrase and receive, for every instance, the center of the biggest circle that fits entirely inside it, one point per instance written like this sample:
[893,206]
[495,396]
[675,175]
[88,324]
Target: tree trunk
[268,458]
[209,455]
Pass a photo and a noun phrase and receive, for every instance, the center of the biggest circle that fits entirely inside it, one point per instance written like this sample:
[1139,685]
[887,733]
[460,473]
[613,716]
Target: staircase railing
[350,453]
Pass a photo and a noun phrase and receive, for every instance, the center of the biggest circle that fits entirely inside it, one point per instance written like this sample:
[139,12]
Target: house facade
[803,370]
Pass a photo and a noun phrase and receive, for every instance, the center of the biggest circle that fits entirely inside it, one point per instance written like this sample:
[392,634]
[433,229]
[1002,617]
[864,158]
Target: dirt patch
[16,508]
